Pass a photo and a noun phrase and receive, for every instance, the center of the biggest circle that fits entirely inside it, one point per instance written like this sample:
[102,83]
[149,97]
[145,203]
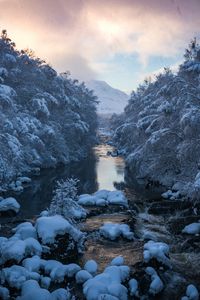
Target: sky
[119,41]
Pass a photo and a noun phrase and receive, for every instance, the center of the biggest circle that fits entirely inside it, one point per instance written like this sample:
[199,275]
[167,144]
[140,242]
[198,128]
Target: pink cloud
[94,30]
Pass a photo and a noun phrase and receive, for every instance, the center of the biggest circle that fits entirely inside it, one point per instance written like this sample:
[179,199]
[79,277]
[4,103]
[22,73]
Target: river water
[100,171]
[97,171]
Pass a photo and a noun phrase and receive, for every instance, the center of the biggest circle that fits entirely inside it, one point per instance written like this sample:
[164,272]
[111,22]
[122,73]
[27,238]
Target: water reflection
[98,171]
[109,169]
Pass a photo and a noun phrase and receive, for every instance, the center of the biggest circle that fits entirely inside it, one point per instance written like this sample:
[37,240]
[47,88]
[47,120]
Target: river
[100,171]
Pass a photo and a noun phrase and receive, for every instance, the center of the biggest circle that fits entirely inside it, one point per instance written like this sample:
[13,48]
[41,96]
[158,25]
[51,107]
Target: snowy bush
[64,200]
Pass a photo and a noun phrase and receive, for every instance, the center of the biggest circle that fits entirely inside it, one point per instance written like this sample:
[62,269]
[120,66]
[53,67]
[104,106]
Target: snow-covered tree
[51,117]
[159,131]
[64,200]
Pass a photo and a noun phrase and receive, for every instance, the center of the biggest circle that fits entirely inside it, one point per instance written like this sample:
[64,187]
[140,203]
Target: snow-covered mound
[157,250]
[9,204]
[46,118]
[49,227]
[103,198]
[159,132]
[113,231]
[111,100]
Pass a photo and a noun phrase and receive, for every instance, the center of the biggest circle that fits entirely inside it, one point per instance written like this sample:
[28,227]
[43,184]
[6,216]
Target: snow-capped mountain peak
[111,100]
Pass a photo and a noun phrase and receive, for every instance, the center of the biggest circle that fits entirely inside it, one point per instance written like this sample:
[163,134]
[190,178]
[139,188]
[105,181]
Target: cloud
[83,34]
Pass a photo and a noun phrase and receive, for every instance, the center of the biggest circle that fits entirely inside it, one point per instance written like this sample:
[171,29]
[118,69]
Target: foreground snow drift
[49,227]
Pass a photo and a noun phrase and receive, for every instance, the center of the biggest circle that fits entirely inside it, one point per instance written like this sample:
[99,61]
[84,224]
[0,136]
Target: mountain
[111,100]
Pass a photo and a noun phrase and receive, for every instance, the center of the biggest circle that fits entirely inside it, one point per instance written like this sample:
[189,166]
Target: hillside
[45,118]
[111,100]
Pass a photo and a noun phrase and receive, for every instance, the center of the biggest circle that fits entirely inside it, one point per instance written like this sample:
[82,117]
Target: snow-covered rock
[112,231]
[102,194]
[82,276]
[31,290]
[9,204]
[17,249]
[32,264]
[87,200]
[156,285]
[4,293]
[108,284]
[61,294]
[171,195]
[45,282]
[16,276]
[191,293]
[117,261]
[133,287]
[103,198]
[49,227]
[117,198]
[91,266]
[193,228]
[25,230]
[157,250]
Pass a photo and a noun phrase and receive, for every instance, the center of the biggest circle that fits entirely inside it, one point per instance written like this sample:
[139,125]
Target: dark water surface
[97,171]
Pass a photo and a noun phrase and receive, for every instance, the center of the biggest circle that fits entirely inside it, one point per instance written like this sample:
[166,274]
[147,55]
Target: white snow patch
[82,276]
[4,293]
[133,287]
[49,227]
[9,204]
[16,276]
[193,228]
[117,261]
[157,250]
[91,266]
[112,231]
[156,285]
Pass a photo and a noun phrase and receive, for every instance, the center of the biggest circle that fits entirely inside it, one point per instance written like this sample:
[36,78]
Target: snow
[24,179]
[193,228]
[107,297]
[32,264]
[60,294]
[25,230]
[108,283]
[156,285]
[82,276]
[111,100]
[157,250]
[117,261]
[191,293]
[4,293]
[16,249]
[87,200]
[91,266]
[9,204]
[113,231]
[103,198]
[49,227]
[102,194]
[45,282]
[117,198]
[32,291]
[133,287]
[16,276]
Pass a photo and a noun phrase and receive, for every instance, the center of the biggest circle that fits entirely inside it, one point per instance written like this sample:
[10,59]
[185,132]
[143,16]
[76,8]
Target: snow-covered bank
[46,118]
[159,131]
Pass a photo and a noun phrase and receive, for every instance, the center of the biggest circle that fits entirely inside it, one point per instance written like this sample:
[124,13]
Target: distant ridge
[111,100]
